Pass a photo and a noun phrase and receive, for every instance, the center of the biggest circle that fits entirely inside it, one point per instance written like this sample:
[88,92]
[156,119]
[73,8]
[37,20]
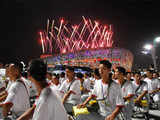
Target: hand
[80,106]
[137,100]
[63,101]
[110,117]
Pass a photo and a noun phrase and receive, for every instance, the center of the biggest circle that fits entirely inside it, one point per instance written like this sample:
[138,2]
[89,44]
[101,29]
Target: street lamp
[152,48]
[148,47]
[157,40]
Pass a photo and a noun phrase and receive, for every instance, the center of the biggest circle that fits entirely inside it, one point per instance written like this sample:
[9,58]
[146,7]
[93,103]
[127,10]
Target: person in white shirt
[4,89]
[62,78]
[153,86]
[96,77]
[127,91]
[48,106]
[148,80]
[141,91]
[49,77]
[55,85]
[128,76]
[17,99]
[71,90]
[108,94]
[85,86]
[140,87]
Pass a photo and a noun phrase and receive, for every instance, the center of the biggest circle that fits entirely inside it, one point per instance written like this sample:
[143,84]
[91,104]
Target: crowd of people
[39,94]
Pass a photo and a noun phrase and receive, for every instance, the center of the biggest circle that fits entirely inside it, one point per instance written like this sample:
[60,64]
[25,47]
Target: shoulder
[114,84]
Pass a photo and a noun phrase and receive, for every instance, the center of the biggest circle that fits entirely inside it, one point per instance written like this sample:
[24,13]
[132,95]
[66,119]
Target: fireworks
[72,38]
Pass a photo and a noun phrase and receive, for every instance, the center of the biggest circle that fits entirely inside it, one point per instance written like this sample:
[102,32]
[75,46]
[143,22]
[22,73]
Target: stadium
[82,45]
[91,58]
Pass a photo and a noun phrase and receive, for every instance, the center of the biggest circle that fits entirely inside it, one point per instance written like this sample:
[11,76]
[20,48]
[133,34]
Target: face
[49,76]
[129,76]
[155,75]
[69,73]
[137,77]
[55,80]
[149,75]
[117,74]
[13,72]
[103,70]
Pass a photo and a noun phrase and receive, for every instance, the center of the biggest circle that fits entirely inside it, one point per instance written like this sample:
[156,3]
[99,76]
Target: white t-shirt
[55,88]
[49,107]
[149,82]
[142,88]
[27,83]
[61,80]
[8,85]
[75,87]
[19,97]
[87,84]
[155,84]
[127,89]
[112,99]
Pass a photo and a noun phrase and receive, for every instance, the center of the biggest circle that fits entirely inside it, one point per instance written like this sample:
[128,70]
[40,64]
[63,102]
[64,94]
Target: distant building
[91,58]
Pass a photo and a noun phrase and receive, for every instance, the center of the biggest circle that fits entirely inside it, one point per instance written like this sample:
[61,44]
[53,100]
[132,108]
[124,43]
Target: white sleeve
[94,91]
[145,88]
[158,84]
[41,111]
[87,85]
[119,98]
[12,93]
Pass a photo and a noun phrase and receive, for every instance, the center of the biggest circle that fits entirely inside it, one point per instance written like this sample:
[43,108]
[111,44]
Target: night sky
[135,23]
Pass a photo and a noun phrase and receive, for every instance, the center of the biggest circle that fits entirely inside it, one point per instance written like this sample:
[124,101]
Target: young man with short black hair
[127,91]
[70,89]
[108,95]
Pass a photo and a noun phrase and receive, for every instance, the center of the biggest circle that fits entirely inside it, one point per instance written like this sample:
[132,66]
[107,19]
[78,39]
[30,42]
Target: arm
[86,101]
[3,97]
[6,108]
[141,96]
[155,91]
[128,97]
[2,89]
[114,113]
[67,95]
[28,114]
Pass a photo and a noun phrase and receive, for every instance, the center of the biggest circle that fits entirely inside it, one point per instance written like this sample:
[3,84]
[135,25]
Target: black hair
[106,63]
[56,76]
[150,71]
[62,74]
[37,69]
[96,72]
[156,73]
[137,73]
[121,70]
[128,73]
[79,75]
